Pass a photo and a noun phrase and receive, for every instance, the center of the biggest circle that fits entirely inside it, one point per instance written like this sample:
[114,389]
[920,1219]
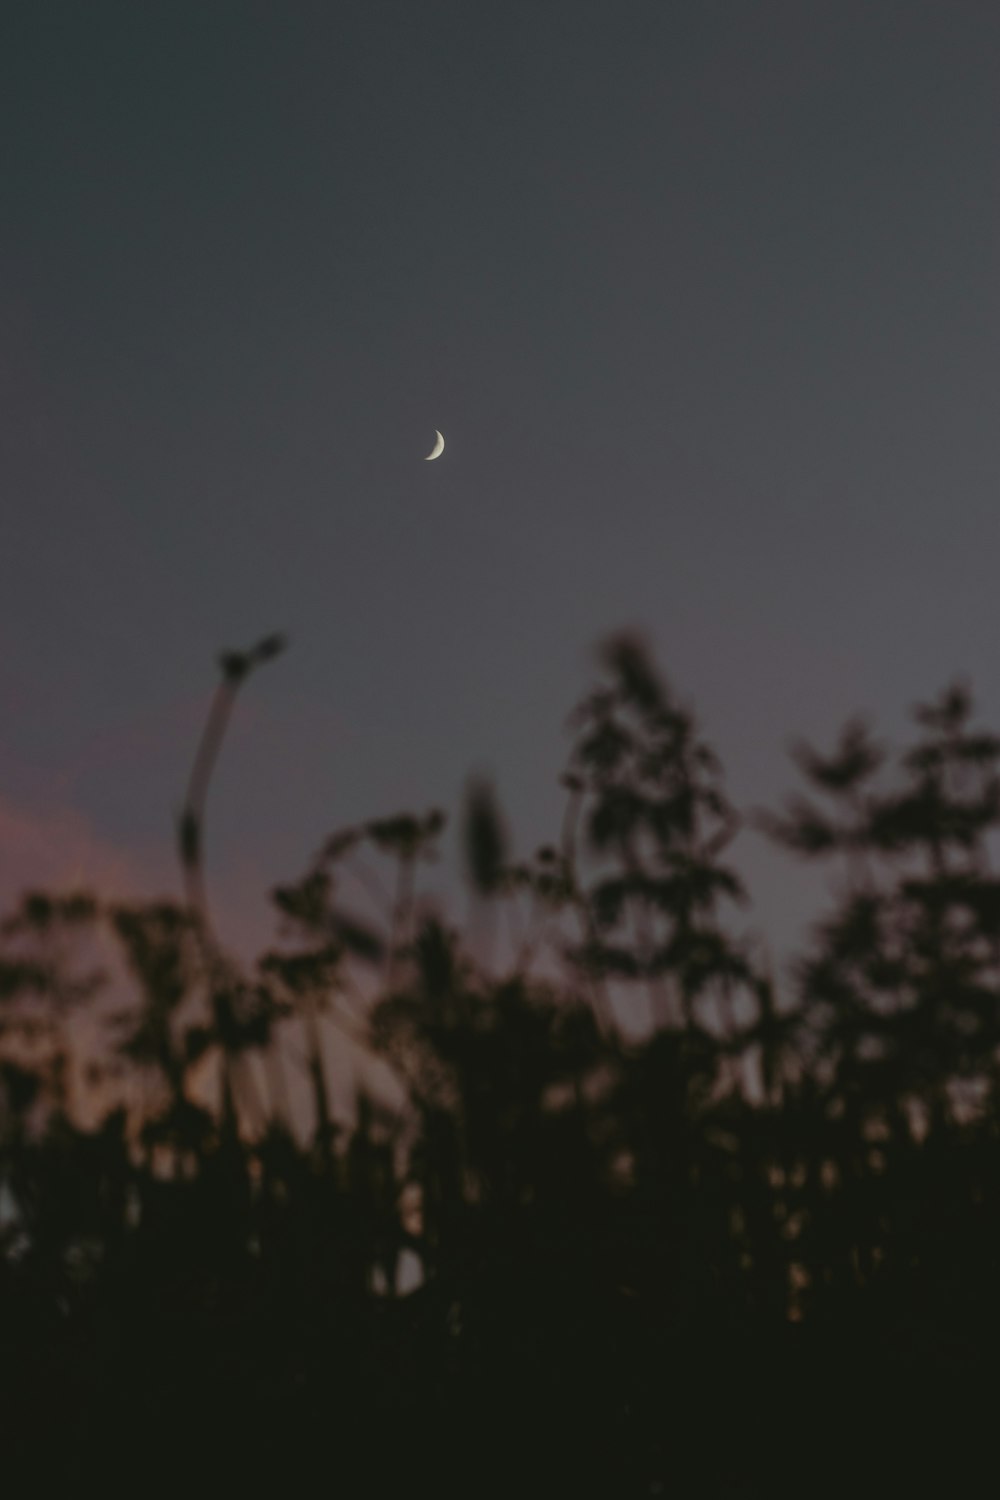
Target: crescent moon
[438,448]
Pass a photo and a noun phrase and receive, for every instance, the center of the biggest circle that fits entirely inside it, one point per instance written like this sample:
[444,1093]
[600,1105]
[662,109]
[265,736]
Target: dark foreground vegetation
[644,1224]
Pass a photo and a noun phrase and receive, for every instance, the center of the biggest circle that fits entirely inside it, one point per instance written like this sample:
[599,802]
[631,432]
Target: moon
[438,448]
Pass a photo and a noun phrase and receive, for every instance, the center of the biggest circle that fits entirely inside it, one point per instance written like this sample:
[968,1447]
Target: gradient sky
[704,297]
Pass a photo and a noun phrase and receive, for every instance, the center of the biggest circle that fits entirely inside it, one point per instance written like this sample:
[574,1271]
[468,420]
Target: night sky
[704,298]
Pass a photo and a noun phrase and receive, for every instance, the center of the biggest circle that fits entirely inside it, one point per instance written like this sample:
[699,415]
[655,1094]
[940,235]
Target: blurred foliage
[647,1221]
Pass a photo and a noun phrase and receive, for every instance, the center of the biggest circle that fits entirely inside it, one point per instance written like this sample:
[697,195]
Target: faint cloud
[58,848]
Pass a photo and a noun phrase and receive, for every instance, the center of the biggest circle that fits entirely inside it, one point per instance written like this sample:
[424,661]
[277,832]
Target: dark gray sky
[704,297]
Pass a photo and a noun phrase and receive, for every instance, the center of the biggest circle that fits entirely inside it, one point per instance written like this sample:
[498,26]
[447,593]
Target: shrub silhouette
[641,1224]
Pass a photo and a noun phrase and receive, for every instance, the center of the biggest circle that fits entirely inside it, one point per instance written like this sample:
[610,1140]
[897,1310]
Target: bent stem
[221,970]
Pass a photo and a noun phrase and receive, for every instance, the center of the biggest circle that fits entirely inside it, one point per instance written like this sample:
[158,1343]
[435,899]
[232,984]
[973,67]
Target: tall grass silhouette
[648,1221]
